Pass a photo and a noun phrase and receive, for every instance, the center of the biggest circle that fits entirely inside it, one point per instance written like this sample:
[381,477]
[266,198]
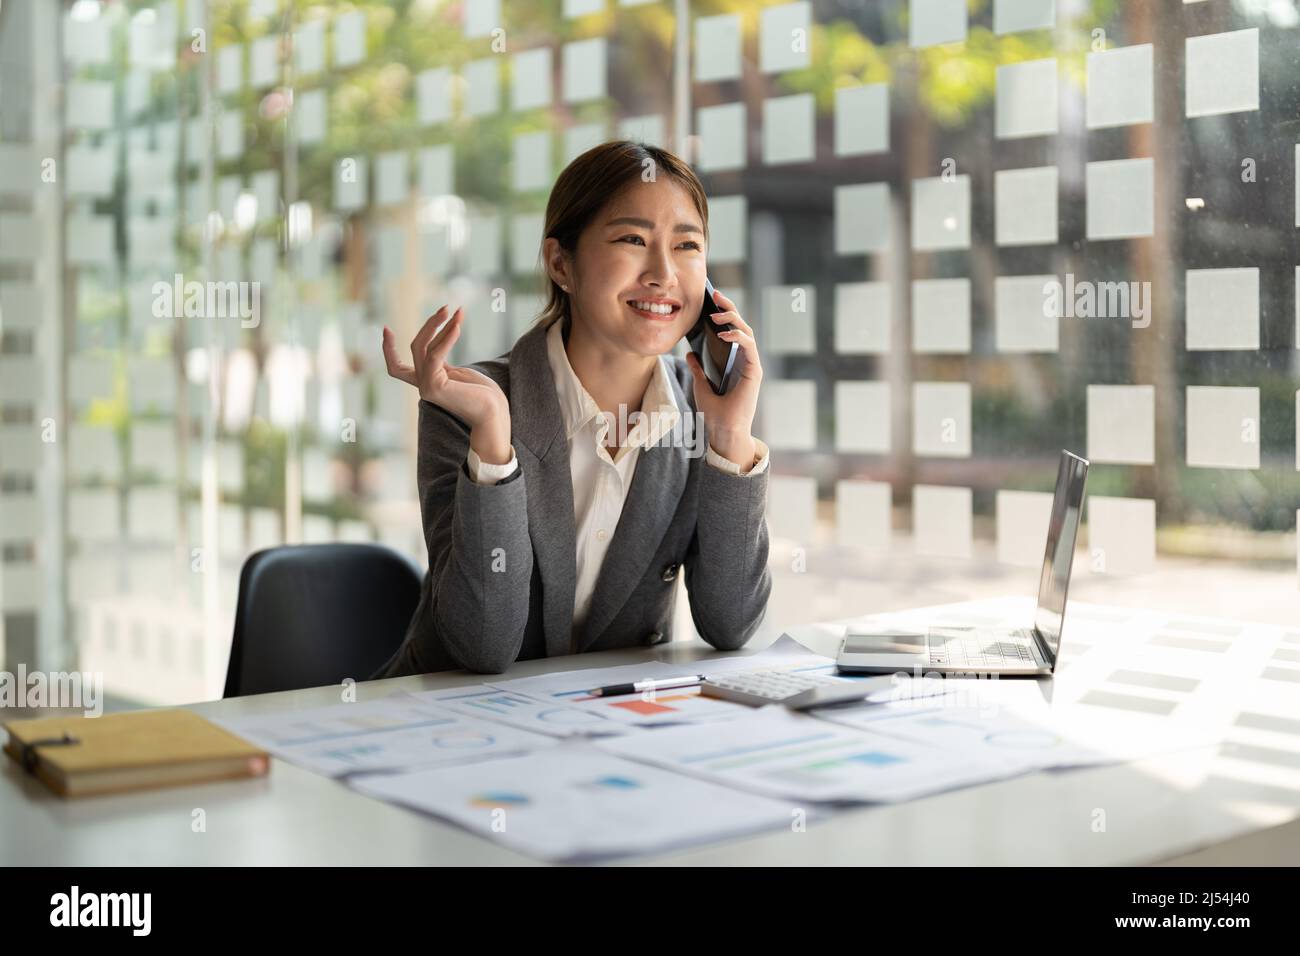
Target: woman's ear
[557,263]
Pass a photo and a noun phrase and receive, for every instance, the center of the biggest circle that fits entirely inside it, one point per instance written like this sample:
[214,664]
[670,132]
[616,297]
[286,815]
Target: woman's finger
[396,367]
[747,345]
[437,349]
[734,318]
[426,333]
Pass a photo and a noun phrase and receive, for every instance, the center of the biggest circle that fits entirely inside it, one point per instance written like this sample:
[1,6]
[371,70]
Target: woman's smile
[656,309]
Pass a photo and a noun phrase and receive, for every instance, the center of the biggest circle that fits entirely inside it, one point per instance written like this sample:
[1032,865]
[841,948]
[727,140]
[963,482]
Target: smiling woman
[553,527]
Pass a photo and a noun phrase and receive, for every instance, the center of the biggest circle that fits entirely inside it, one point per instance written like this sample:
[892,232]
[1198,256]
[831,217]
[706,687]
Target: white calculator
[796,691]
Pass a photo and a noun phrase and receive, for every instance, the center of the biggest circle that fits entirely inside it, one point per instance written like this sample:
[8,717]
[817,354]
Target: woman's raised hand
[468,394]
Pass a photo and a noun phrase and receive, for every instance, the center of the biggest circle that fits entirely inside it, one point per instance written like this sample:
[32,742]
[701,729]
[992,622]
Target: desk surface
[1154,809]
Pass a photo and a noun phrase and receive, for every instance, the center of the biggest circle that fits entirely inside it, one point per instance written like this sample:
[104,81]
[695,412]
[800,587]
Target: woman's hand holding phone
[730,417]
[468,394]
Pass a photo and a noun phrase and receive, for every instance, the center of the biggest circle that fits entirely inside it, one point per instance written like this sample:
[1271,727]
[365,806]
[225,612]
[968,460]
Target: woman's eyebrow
[647,224]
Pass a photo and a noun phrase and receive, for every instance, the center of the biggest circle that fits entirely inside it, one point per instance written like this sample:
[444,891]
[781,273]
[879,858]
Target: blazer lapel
[537,426]
[651,503]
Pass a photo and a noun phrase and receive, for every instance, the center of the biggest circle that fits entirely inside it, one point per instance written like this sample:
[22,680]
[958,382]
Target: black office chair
[313,614]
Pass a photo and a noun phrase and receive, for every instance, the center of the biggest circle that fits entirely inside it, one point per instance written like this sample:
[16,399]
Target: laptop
[963,650]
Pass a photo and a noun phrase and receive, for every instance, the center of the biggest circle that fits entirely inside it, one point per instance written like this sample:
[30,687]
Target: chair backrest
[314,614]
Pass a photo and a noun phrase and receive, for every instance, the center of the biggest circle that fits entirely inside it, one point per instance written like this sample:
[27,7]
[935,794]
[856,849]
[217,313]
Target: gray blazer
[502,558]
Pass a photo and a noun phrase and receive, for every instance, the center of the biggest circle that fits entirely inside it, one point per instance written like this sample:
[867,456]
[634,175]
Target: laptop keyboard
[970,649]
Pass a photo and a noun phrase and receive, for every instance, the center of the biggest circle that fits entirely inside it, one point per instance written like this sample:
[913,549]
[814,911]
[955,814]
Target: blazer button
[670,572]
[653,638]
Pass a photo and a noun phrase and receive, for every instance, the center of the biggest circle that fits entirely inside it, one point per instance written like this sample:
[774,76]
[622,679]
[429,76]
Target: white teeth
[658,308]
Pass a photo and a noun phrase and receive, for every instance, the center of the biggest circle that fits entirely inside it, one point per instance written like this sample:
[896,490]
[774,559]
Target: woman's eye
[691,244]
[636,238]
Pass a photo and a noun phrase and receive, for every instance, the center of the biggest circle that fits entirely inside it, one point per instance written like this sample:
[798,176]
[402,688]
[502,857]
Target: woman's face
[642,254]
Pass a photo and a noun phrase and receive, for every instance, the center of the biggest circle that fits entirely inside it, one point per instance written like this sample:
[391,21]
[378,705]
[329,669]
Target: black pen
[641,686]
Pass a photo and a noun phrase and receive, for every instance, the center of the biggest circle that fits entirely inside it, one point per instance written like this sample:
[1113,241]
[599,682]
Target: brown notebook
[80,756]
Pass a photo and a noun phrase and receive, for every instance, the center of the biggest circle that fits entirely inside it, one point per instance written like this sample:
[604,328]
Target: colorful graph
[613,782]
[492,799]
[463,740]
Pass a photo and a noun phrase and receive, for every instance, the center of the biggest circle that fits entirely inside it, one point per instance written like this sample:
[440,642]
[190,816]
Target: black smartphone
[719,358]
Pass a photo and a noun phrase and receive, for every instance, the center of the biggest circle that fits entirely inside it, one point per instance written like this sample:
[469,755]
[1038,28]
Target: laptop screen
[1061,533]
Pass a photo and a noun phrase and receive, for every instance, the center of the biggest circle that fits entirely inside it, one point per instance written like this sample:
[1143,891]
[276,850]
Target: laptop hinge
[1043,649]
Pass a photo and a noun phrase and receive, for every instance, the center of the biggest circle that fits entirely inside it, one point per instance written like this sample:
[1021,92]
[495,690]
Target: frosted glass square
[862,119]
[531,79]
[584,70]
[89,104]
[309,112]
[941,316]
[728,229]
[482,87]
[717,48]
[861,218]
[350,175]
[862,417]
[931,22]
[1026,101]
[1022,520]
[862,514]
[392,178]
[230,68]
[789,319]
[526,243]
[784,37]
[1222,73]
[789,415]
[941,521]
[1013,16]
[862,318]
[1020,319]
[792,507]
[941,213]
[482,17]
[1222,308]
[941,419]
[582,8]
[435,171]
[1122,424]
[722,136]
[483,246]
[350,38]
[433,95]
[1222,427]
[532,161]
[309,48]
[1121,535]
[93,514]
[89,240]
[1121,86]
[1025,201]
[788,123]
[1121,198]
[263,62]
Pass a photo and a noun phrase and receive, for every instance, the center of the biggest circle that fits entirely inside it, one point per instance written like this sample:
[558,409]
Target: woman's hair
[589,183]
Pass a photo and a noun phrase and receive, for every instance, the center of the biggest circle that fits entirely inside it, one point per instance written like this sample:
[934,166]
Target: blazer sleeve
[727,578]
[475,600]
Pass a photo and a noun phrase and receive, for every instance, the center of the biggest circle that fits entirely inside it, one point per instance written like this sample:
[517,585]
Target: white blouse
[601,483]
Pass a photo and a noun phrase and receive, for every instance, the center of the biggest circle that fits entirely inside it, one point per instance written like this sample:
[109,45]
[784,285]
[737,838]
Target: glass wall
[968,232]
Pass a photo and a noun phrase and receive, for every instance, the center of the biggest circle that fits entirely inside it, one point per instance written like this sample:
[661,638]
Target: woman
[547,534]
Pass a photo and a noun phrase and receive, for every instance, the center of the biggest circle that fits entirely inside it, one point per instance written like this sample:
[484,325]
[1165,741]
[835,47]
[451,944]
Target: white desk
[1155,809]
